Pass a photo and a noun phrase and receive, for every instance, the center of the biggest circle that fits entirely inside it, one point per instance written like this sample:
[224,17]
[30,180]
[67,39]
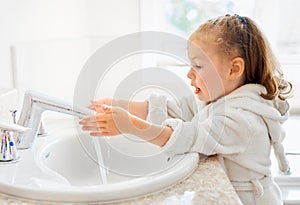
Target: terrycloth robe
[240,127]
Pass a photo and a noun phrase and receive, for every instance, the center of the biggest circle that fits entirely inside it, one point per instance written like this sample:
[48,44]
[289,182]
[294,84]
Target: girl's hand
[97,104]
[112,121]
[116,120]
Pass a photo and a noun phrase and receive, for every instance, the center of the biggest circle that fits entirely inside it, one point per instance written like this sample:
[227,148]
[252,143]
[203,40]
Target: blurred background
[44,44]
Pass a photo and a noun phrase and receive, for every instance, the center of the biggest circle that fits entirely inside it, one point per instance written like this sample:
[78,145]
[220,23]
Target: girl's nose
[190,74]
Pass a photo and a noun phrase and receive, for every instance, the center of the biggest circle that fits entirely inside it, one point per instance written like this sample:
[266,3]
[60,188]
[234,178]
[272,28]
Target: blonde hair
[235,36]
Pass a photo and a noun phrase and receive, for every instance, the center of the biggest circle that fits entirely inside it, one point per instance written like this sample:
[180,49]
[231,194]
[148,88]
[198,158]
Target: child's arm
[139,109]
[116,120]
[156,134]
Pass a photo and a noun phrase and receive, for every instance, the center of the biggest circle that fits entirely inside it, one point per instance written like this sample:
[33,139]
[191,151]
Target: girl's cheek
[213,84]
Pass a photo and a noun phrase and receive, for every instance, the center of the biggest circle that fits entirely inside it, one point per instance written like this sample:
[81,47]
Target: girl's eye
[197,66]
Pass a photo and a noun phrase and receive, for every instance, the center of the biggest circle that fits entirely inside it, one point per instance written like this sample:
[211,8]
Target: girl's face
[209,72]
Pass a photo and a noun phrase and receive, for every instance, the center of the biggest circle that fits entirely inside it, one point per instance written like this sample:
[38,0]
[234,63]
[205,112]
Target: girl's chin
[203,98]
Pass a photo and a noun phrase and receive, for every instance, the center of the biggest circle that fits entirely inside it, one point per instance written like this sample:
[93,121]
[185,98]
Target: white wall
[45,43]
[7,34]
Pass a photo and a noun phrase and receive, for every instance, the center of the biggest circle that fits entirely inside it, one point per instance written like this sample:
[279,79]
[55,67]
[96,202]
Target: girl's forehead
[198,50]
[205,52]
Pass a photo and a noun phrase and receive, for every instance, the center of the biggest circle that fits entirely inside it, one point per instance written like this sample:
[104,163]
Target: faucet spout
[35,103]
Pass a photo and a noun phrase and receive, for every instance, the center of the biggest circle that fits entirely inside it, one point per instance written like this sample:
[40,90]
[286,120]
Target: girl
[241,106]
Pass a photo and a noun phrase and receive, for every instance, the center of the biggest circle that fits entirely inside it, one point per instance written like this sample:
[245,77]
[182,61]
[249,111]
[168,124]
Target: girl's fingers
[85,122]
[95,105]
[96,128]
[96,134]
[107,108]
[100,117]
[92,107]
[92,128]
[100,134]
[101,124]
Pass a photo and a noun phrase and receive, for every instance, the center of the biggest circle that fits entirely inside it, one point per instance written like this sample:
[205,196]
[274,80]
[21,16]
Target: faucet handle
[12,127]
[14,116]
[8,150]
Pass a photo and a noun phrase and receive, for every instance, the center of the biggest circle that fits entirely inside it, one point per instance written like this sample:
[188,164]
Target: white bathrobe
[240,128]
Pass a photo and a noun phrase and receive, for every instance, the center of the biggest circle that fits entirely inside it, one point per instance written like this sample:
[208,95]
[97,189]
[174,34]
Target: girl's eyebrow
[195,57]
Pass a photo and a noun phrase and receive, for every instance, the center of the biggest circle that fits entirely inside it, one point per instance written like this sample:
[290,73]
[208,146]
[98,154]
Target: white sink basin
[63,167]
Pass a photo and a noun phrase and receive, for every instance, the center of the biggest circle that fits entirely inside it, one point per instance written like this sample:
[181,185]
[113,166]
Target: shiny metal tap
[8,150]
[35,103]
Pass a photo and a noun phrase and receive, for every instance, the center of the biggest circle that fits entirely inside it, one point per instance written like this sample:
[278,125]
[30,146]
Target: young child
[241,106]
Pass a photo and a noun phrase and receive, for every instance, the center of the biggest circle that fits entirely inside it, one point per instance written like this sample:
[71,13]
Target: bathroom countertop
[207,185]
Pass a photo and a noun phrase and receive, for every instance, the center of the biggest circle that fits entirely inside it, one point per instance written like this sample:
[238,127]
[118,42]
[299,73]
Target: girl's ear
[237,68]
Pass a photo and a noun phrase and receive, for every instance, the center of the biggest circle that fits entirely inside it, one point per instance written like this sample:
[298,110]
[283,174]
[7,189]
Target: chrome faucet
[35,103]
[8,151]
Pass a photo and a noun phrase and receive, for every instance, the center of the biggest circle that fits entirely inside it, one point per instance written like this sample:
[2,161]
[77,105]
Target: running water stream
[100,160]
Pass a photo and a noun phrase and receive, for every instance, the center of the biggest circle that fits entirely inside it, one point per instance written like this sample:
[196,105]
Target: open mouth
[197,90]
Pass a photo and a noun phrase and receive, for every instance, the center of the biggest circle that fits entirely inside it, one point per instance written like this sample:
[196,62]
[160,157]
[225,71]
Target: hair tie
[243,20]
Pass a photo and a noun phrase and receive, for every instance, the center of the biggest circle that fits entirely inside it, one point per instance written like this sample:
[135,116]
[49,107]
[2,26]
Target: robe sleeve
[219,134]
[160,108]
